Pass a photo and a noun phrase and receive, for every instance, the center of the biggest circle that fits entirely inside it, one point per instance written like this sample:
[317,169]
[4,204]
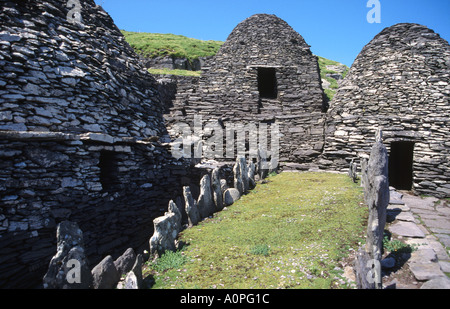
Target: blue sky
[335,29]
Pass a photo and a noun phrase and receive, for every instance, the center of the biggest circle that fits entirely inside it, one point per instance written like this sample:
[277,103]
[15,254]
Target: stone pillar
[69,268]
[166,230]
[376,194]
[191,207]
[205,201]
[217,189]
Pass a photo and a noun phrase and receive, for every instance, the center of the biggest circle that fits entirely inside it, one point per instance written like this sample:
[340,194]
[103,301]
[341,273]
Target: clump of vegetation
[260,250]
[169,260]
[396,246]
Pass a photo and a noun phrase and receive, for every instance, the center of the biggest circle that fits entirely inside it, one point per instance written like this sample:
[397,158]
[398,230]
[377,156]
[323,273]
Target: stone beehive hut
[263,73]
[400,84]
[80,121]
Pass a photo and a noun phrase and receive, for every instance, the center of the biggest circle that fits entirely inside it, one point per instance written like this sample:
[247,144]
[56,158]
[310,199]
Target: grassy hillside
[152,45]
[323,63]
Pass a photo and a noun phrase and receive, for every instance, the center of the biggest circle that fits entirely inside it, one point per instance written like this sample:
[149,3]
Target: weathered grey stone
[263,165]
[426,271]
[205,201]
[437,283]
[131,281]
[137,270]
[223,185]
[164,235]
[69,268]
[191,207]
[173,209]
[230,196]
[407,229]
[423,255]
[376,193]
[251,175]
[238,182]
[217,189]
[125,262]
[367,273]
[105,274]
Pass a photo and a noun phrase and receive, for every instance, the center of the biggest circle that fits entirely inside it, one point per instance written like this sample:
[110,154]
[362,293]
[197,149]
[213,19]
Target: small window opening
[401,165]
[108,169]
[267,83]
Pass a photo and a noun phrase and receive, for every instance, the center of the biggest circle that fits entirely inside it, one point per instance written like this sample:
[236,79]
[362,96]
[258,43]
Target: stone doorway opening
[108,169]
[267,83]
[401,165]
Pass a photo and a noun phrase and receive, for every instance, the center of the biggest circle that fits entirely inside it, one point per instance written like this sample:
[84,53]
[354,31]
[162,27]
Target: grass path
[288,233]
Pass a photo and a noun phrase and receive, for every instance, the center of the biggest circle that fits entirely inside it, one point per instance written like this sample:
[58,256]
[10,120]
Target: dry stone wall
[229,90]
[74,78]
[81,127]
[400,84]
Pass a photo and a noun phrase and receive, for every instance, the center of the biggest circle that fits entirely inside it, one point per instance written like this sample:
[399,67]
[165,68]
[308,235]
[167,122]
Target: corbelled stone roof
[68,77]
[400,82]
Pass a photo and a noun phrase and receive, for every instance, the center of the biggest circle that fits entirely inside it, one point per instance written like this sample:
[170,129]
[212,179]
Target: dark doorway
[267,83]
[108,169]
[401,165]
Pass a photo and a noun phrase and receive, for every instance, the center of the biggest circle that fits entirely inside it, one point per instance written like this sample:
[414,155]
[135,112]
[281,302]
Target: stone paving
[425,224]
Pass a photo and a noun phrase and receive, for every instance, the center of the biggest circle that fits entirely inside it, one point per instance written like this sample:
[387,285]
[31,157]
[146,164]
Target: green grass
[153,45]
[174,72]
[323,62]
[288,233]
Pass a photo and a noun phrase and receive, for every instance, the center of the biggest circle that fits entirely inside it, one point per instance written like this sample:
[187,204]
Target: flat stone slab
[421,256]
[398,207]
[443,210]
[445,266]
[440,223]
[430,242]
[396,201]
[405,216]
[437,283]
[426,271]
[407,229]
[444,238]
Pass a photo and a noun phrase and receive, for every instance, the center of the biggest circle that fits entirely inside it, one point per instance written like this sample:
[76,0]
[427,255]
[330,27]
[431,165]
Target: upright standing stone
[166,229]
[164,235]
[217,189]
[105,274]
[237,178]
[69,268]
[263,165]
[251,175]
[125,262]
[173,208]
[377,198]
[191,207]
[244,172]
[205,201]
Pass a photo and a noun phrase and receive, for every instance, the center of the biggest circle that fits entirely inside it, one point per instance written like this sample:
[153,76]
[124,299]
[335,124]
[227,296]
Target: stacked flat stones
[227,91]
[399,83]
[80,120]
